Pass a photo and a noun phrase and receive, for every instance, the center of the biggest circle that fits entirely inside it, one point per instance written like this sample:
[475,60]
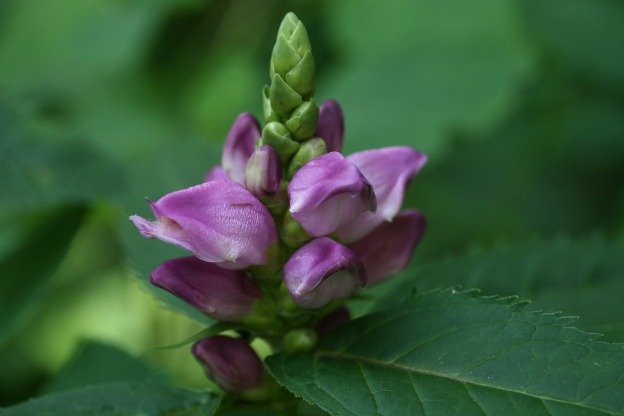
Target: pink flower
[327,193]
[230,362]
[220,222]
[239,145]
[330,125]
[225,295]
[388,248]
[322,271]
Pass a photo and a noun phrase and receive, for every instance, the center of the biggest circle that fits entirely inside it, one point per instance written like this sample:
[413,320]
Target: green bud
[293,233]
[302,76]
[262,316]
[277,136]
[300,340]
[293,33]
[302,121]
[310,149]
[282,96]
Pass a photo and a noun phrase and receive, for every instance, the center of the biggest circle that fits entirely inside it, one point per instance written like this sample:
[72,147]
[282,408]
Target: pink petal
[239,145]
[389,170]
[330,125]
[388,249]
[220,222]
[321,271]
[328,192]
[225,295]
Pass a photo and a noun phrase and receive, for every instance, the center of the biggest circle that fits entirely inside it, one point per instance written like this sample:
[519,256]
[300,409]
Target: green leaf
[128,398]
[35,262]
[580,277]
[449,352]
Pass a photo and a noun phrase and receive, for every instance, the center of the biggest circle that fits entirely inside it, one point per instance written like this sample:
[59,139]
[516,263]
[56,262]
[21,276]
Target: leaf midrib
[370,361]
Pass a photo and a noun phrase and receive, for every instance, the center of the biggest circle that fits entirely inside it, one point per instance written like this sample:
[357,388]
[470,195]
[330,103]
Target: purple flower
[230,362]
[225,295]
[321,271]
[388,170]
[387,249]
[220,222]
[264,172]
[328,192]
[239,145]
[330,125]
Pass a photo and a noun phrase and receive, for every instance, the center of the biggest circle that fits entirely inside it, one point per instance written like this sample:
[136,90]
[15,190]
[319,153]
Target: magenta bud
[239,145]
[225,295]
[388,249]
[330,125]
[230,362]
[322,271]
[263,172]
[328,192]
[389,170]
[220,222]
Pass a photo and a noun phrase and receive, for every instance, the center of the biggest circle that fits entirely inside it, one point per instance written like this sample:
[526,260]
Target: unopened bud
[278,137]
[300,340]
[310,149]
[302,121]
[283,97]
[263,172]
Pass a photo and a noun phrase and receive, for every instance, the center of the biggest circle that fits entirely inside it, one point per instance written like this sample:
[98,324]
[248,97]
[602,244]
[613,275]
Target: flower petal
[389,170]
[225,295]
[328,192]
[388,248]
[321,271]
[239,145]
[230,362]
[220,222]
[216,174]
[330,125]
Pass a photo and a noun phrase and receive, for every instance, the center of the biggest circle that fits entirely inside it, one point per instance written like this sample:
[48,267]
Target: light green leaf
[27,271]
[452,353]
[128,398]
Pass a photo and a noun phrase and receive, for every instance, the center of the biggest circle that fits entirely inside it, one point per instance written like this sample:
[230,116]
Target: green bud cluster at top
[289,108]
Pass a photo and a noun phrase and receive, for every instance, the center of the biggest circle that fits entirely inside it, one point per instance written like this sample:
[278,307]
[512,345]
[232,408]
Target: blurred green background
[518,103]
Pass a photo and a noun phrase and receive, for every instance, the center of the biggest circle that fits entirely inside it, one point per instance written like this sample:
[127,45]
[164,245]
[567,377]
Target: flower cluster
[286,228]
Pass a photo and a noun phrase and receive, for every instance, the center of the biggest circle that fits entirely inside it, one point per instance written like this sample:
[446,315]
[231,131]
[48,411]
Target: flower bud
[283,97]
[278,137]
[220,222]
[224,295]
[330,126]
[388,248]
[292,56]
[310,149]
[302,121]
[269,114]
[300,340]
[329,192]
[239,145]
[388,170]
[322,271]
[264,172]
[230,362]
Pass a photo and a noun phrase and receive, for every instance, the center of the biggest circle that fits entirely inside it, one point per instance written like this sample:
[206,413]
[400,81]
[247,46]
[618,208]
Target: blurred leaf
[437,67]
[587,33]
[129,398]
[28,270]
[97,363]
[582,277]
[446,352]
